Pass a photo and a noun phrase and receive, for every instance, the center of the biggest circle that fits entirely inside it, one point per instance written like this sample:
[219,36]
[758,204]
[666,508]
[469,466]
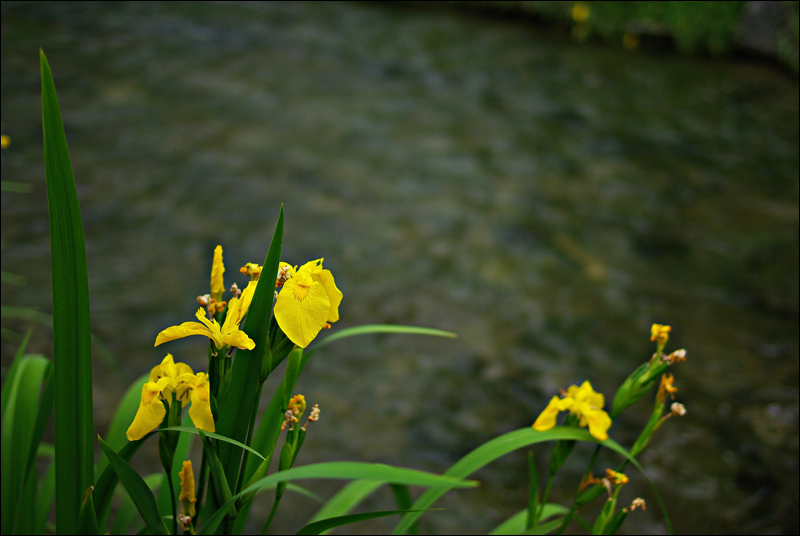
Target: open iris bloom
[583,402]
[166,379]
[223,336]
[308,301]
[228,334]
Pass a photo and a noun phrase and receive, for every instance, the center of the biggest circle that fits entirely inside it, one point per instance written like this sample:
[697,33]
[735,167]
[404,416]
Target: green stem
[568,517]
[544,499]
[271,514]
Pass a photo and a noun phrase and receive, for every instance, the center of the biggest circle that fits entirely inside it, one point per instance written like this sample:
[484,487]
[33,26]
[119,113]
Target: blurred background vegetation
[769,29]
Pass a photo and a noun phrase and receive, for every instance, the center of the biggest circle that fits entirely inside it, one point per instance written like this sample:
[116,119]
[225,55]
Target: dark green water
[546,201]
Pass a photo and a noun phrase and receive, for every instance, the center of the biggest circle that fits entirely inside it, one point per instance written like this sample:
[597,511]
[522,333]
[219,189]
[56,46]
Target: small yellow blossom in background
[583,402]
[630,40]
[251,269]
[187,497]
[308,300]
[224,337]
[296,407]
[297,404]
[660,334]
[5,141]
[616,478]
[166,379]
[580,12]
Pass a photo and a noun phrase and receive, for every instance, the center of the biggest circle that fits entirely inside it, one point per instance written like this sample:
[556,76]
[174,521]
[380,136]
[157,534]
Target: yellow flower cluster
[583,402]
[166,379]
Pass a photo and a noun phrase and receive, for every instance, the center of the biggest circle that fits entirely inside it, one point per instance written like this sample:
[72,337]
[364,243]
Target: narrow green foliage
[104,488]
[137,489]
[87,519]
[346,471]
[217,474]
[21,436]
[516,523]
[326,524]
[44,499]
[347,498]
[496,448]
[236,408]
[403,498]
[533,491]
[72,351]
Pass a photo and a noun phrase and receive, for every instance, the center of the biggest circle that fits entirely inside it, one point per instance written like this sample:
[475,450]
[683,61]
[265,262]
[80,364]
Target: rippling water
[546,201]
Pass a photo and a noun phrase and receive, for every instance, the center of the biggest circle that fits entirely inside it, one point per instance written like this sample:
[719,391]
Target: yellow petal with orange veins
[302,309]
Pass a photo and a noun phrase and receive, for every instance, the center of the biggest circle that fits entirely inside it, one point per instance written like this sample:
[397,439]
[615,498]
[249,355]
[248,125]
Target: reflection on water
[545,201]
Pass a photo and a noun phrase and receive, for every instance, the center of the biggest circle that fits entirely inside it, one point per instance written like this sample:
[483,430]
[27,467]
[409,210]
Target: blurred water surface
[546,201]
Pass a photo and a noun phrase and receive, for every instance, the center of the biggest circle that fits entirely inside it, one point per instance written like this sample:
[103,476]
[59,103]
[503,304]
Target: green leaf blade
[71,329]
[236,408]
[137,489]
[341,470]
[497,447]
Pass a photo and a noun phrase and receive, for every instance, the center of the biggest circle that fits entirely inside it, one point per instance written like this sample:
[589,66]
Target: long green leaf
[331,523]
[342,470]
[87,518]
[44,498]
[137,489]
[123,417]
[18,432]
[369,329]
[12,373]
[346,499]
[195,431]
[238,403]
[72,352]
[516,523]
[104,488]
[500,446]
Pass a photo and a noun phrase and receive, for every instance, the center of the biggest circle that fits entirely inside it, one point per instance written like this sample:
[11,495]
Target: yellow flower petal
[200,412]
[247,297]
[231,334]
[151,411]
[547,419]
[217,269]
[598,420]
[302,309]
[334,294]
[189,328]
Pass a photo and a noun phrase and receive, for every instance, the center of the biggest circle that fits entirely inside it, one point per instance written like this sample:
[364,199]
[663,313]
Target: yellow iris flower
[224,337]
[582,401]
[308,300]
[165,379]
